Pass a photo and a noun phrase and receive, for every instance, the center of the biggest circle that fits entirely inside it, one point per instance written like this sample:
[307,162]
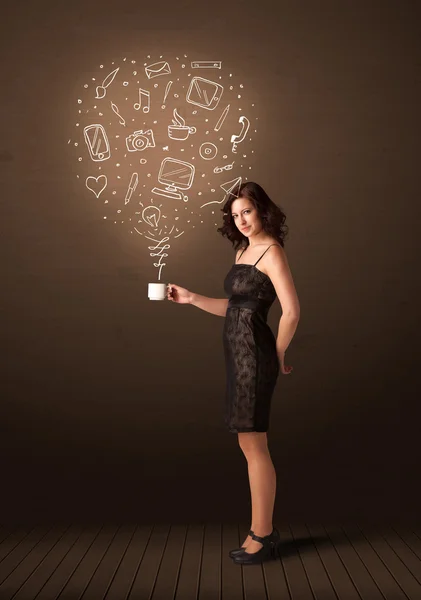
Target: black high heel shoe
[268,551]
[233,553]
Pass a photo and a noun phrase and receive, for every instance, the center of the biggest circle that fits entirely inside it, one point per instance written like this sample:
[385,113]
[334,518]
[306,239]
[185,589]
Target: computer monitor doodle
[175,175]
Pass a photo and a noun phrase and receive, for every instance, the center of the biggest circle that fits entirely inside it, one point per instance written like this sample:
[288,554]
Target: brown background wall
[112,405]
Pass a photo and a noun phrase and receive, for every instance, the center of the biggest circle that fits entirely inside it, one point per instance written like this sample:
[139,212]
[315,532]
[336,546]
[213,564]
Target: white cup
[157,291]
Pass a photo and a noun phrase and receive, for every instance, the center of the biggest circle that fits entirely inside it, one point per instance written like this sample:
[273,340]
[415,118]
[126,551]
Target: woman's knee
[252,441]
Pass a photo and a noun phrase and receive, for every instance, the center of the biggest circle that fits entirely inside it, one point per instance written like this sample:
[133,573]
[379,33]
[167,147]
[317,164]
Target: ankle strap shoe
[269,551]
[233,553]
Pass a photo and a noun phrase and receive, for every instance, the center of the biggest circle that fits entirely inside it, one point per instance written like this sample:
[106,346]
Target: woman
[253,357]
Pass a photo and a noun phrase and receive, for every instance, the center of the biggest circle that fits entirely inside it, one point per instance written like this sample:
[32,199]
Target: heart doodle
[95,185]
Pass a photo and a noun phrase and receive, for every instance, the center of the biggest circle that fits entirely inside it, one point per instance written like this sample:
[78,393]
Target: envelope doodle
[158,68]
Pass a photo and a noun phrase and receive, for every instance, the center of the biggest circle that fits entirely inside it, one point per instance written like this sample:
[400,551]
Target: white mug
[157,291]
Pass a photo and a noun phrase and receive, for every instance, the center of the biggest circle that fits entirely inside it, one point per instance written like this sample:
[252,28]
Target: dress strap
[265,252]
[242,253]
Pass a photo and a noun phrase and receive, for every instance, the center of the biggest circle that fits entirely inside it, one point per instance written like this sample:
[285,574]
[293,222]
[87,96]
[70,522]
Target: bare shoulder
[275,258]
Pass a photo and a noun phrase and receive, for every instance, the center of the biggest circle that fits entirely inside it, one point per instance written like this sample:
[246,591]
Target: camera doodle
[140,140]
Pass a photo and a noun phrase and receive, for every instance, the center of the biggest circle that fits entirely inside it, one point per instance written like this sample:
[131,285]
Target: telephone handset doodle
[236,139]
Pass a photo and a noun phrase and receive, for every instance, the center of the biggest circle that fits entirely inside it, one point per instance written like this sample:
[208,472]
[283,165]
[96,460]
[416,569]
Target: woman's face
[245,216]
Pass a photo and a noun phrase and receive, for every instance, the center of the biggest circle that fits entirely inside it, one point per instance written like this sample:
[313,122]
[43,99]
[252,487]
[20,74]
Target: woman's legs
[262,477]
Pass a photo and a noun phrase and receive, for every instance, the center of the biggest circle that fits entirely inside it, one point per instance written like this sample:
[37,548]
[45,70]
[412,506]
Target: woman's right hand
[175,293]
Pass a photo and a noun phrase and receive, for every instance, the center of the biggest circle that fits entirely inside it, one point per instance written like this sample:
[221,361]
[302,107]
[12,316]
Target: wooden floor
[162,562]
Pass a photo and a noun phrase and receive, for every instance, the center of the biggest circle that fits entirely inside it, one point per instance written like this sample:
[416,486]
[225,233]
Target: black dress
[252,364]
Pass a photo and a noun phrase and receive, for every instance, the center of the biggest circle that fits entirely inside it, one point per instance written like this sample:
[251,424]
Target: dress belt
[244,301]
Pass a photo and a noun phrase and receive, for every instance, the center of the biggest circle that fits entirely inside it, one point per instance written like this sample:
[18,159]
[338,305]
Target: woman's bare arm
[216,306]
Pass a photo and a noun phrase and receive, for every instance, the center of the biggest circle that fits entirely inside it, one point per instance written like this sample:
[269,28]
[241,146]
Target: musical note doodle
[146,96]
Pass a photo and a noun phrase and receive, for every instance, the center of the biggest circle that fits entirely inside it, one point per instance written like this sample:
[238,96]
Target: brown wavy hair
[271,215]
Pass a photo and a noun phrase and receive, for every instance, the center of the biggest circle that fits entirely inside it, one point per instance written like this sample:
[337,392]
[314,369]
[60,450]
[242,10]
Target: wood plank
[232,575]
[12,540]
[355,567]
[58,579]
[274,571]
[189,556]
[410,539]
[15,557]
[407,556]
[43,572]
[126,573]
[254,583]
[338,575]
[313,563]
[85,570]
[400,571]
[26,567]
[295,574]
[104,575]
[380,574]
[210,568]
[148,570]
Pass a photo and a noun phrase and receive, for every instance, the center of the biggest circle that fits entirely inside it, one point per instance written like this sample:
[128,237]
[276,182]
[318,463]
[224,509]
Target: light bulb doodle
[151,215]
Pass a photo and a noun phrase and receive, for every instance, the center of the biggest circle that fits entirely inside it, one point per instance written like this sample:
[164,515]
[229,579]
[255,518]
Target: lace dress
[252,364]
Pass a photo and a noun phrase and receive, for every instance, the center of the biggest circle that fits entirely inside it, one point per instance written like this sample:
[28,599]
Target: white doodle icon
[96,184]
[222,118]
[134,180]
[237,139]
[228,187]
[175,175]
[151,215]
[204,93]
[208,151]
[139,140]
[167,89]
[157,69]
[225,168]
[97,141]
[116,111]
[206,64]
[145,99]
[101,89]
[179,130]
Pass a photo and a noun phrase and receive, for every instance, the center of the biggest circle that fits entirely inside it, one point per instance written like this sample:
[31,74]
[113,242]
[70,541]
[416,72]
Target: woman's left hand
[284,369]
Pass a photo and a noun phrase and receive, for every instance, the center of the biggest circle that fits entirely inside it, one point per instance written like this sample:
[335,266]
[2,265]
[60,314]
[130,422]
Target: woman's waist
[248,301]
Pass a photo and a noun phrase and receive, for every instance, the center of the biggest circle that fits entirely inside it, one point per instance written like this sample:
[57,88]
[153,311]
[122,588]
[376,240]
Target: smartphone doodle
[97,142]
